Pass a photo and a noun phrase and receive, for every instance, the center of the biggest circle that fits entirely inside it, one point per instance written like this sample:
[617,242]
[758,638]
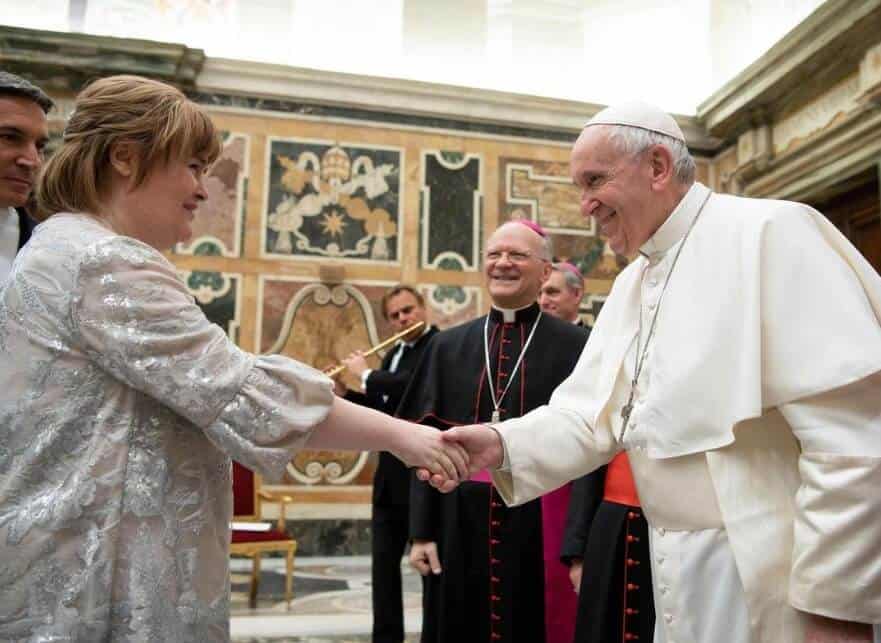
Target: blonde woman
[121,404]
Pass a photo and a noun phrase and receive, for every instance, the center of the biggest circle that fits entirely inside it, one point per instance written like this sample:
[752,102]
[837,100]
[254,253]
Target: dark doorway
[854,206]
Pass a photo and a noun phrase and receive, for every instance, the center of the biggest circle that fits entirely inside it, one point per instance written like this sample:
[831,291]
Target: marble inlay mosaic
[217,293]
[319,324]
[332,200]
[451,305]
[542,191]
[590,308]
[450,206]
[217,228]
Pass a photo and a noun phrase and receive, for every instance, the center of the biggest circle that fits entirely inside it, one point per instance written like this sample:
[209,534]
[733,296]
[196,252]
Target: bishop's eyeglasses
[513,256]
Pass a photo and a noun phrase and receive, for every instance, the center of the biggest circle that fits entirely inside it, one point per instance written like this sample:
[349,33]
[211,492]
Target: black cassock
[612,540]
[492,585]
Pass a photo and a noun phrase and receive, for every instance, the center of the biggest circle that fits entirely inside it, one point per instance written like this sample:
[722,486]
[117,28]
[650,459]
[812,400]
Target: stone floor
[331,602]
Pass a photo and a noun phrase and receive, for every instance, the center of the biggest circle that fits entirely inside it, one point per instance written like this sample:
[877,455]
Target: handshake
[445,458]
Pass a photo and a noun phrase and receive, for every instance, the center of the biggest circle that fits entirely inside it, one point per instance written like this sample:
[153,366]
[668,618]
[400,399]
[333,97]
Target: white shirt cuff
[364,377]
[506,460]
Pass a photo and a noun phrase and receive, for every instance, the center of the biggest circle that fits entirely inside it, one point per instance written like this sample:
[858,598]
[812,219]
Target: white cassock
[755,439]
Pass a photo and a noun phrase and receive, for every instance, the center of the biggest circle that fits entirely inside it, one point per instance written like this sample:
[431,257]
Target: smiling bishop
[493,573]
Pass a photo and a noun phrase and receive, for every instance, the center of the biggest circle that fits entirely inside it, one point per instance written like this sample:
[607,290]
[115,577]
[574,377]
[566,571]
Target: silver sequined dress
[120,407]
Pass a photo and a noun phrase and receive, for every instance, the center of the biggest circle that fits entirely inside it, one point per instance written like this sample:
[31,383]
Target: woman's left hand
[423,447]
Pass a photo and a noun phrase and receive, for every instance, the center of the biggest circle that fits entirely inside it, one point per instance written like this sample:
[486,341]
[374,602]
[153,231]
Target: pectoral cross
[626,410]
[495,416]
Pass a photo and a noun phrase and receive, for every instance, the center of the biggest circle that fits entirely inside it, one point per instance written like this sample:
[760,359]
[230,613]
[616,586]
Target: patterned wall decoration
[332,200]
[542,191]
[295,318]
[450,207]
[217,228]
[217,293]
[451,305]
[590,307]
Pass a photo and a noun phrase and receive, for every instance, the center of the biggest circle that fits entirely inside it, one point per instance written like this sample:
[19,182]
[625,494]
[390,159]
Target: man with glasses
[486,576]
[24,133]
[737,360]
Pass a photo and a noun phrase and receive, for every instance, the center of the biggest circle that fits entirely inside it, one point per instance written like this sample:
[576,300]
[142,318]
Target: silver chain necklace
[639,361]
[496,416]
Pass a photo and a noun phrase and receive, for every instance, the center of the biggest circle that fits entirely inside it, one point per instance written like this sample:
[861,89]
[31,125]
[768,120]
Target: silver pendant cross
[626,410]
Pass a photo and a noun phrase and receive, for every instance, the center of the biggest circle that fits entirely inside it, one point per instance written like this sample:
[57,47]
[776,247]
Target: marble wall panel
[451,305]
[542,191]
[217,228]
[217,293]
[450,207]
[590,308]
[319,324]
[330,200]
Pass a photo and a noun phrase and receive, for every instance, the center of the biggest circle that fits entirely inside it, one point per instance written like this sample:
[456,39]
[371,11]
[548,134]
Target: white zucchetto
[638,114]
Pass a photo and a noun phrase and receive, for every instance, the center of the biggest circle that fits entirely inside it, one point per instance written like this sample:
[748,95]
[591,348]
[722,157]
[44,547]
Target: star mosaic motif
[333,224]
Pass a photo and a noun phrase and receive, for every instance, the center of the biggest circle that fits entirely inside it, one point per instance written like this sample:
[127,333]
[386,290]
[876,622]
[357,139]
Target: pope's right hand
[424,558]
[483,445]
[423,447]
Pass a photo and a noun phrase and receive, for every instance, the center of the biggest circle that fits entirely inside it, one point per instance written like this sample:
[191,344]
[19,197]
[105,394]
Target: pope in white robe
[754,430]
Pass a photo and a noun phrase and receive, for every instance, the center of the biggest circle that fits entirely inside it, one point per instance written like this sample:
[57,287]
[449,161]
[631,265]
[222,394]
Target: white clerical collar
[509,315]
[677,224]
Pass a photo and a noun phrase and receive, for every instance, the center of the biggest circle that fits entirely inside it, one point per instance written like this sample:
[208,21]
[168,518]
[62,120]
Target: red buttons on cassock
[631,562]
[632,539]
[632,587]
[631,612]
[630,637]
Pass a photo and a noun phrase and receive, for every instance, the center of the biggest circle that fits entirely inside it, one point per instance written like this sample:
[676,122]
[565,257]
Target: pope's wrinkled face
[515,266]
[24,133]
[558,298]
[616,190]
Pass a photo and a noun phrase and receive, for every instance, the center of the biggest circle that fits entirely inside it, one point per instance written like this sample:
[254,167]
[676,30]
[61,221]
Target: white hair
[633,140]
[572,280]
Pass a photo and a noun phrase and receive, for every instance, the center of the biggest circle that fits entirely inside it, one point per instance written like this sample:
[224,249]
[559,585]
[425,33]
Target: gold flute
[333,371]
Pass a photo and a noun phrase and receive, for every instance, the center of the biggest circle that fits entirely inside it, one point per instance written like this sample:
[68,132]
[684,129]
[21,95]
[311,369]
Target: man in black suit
[382,389]
[24,132]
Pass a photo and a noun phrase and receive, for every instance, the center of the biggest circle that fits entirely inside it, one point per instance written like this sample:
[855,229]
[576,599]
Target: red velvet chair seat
[247,496]
[241,536]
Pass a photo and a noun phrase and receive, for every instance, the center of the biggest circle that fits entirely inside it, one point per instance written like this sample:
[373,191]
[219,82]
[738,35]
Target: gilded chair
[247,498]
